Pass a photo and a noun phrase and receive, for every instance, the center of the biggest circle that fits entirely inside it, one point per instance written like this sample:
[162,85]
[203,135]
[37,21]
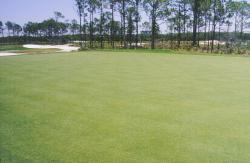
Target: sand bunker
[4,54]
[63,48]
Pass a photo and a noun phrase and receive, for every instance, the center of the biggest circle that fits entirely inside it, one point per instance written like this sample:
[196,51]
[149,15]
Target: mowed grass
[124,107]
[11,47]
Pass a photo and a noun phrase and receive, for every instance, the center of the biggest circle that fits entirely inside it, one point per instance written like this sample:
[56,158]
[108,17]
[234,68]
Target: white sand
[63,48]
[215,42]
[4,54]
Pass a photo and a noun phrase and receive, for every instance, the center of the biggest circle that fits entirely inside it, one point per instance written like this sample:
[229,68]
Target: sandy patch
[216,42]
[62,48]
[4,54]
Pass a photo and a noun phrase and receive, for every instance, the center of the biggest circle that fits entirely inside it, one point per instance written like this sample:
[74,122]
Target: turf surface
[124,107]
[11,47]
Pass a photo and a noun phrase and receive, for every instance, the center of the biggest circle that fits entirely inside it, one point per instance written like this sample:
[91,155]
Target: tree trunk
[214,26]
[121,31]
[184,21]
[171,39]
[84,29]
[218,45]
[90,39]
[153,28]
[241,28]
[80,15]
[137,24]
[101,25]
[91,28]
[227,44]
[195,13]
[235,25]
[205,32]
[112,25]
[124,23]
[179,25]
[209,34]
[198,35]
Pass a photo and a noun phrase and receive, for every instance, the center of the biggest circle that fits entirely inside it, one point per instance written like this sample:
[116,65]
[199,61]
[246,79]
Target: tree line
[207,19]
[121,23]
[50,27]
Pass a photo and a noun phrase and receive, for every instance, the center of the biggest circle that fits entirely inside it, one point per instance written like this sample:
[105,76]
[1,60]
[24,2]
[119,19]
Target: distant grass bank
[11,47]
[21,49]
[166,51]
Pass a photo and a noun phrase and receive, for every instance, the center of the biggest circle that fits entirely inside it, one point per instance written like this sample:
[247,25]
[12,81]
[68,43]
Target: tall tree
[195,9]
[93,5]
[31,28]
[137,20]
[1,28]
[85,24]
[156,9]
[74,27]
[216,5]
[101,23]
[214,23]
[235,9]
[130,28]
[185,16]
[9,26]
[58,15]
[221,18]
[179,17]
[17,29]
[112,5]
[244,14]
[123,9]
[205,7]
[79,5]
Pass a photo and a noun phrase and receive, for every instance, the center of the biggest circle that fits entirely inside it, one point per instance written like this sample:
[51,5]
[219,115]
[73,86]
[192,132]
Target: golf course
[124,106]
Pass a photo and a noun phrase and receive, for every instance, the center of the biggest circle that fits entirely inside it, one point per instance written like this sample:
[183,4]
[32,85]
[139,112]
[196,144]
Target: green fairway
[109,106]
[11,47]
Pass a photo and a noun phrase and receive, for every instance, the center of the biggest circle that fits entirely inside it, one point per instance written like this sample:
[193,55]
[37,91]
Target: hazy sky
[22,11]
